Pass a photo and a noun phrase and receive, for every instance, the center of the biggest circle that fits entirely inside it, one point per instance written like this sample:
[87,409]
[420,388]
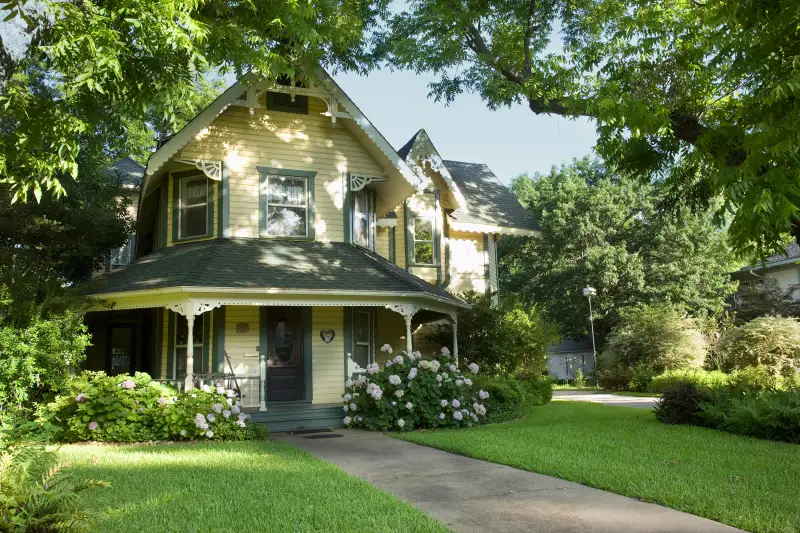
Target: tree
[767,300]
[603,229]
[105,64]
[711,84]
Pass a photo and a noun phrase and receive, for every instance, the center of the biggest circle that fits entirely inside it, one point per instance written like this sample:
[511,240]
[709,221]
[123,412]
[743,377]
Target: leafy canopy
[106,63]
[604,230]
[713,85]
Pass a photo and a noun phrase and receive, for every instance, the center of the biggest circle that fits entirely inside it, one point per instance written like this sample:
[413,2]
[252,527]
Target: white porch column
[190,309]
[262,364]
[407,311]
[454,319]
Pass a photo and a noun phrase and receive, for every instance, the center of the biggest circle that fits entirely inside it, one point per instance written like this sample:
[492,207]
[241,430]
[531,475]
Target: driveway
[473,496]
[641,402]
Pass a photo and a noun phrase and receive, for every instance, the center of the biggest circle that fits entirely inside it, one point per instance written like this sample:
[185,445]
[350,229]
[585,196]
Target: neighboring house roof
[267,264]
[489,202]
[570,346]
[790,255]
[128,170]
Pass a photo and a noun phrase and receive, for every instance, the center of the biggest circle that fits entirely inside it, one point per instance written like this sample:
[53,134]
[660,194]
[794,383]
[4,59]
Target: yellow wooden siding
[390,328]
[327,360]
[241,348]
[400,238]
[467,266]
[283,140]
[382,242]
[213,185]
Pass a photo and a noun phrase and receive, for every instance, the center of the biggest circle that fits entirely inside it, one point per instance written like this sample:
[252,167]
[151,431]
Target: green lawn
[234,487]
[747,483]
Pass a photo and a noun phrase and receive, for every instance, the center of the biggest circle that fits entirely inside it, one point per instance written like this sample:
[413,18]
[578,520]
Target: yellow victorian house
[281,241]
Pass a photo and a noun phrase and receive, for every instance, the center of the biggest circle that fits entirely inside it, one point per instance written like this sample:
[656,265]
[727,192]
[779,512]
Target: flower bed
[414,392]
[122,408]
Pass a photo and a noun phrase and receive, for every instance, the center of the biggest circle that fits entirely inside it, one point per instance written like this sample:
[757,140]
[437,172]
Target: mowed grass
[747,483]
[233,487]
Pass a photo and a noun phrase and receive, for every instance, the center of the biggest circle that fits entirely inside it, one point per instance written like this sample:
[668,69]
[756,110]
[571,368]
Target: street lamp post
[589,292]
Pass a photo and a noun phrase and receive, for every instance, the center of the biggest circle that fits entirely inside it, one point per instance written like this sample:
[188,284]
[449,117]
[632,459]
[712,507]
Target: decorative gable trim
[423,150]
[489,228]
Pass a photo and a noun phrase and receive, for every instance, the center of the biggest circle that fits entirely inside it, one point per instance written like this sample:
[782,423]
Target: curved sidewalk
[473,496]
[641,402]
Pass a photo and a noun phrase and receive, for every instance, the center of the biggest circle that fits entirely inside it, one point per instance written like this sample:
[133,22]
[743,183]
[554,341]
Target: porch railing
[247,386]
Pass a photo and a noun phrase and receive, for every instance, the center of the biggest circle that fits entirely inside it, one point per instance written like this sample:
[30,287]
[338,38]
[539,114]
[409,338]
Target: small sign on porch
[243,327]
[327,335]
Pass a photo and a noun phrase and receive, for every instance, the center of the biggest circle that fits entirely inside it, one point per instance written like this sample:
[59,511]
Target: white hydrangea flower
[386,348]
[409,405]
[443,403]
[347,420]
[441,416]
[360,381]
[435,365]
[473,368]
[217,407]
[241,416]
[348,397]
[456,404]
[401,423]
[439,378]
[412,373]
[237,403]
[399,393]
[358,419]
[474,417]
[394,404]
[465,412]
[468,382]
[458,416]
[373,368]
[389,363]
[399,359]
[183,433]
[346,408]
[229,401]
[220,390]
[209,434]
[425,365]
[353,407]
[482,394]
[200,417]
[377,394]
[412,356]
[417,354]
[445,351]
[479,408]
[394,379]
[348,383]
[453,368]
[459,382]
[235,409]
[240,423]
[206,388]
[230,393]
[211,417]
[226,413]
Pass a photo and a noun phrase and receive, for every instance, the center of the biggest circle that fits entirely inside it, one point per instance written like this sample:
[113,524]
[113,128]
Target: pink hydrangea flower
[93,425]
[80,398]
[128,384]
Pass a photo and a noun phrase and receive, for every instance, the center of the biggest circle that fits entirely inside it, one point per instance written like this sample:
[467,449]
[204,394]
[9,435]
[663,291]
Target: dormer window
[423,240]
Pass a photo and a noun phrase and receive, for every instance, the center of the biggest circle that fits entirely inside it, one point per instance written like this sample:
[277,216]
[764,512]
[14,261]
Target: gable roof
[128,170]
[403,150]
[293,266]
[422,145]
[489,202]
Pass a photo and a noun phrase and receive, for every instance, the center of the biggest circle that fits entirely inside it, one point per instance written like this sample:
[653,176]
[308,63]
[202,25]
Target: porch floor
[291,416]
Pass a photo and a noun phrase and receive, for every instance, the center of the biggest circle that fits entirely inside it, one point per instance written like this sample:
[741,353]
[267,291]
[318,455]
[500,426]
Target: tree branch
[527,65]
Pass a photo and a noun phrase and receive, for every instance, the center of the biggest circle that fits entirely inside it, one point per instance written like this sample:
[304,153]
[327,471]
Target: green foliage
[107,65]
[723,108]
[504,338]
[512,398]
[580,380]
[19,431]
[681,403]
[37,358]
[769,342]
[713,379]
[768,415]
[604,229]
[414,392]
[122,408]
[766,300]
[753,379]
[647,341]
[37,494]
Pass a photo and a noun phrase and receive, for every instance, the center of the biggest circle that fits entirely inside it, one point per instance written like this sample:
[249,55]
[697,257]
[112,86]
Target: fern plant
[38,495]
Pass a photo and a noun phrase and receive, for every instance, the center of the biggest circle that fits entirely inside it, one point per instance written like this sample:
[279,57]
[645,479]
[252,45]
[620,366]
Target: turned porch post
[409,347]
[454,319]
[189,382]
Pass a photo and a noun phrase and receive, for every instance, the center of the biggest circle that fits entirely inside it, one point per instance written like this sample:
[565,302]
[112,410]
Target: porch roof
[267,264]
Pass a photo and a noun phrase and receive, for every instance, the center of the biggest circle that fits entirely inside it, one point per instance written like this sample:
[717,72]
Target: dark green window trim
[164,202]
[264,173]
[486,268]
[176,195]
[263,335]
[171,346]
[393,245]
[283,102]
[307,352]
[348,337]
[218,353]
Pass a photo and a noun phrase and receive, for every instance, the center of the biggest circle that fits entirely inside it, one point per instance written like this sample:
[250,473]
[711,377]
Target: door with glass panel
[362,337]
[121,349]
[285,349]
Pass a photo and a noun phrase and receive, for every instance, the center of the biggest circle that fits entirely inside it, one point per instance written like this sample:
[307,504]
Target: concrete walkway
[473,496]
[641,402]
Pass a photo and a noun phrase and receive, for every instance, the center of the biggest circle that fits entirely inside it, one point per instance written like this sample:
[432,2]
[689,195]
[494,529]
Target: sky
[510,141]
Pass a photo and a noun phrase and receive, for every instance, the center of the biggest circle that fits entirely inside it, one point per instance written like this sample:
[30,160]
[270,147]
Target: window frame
[265,173]
[177,208]
[370,342]
[369,198]
[414,240]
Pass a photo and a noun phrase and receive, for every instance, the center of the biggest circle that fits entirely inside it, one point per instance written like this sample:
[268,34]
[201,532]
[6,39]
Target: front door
[285,349]
[121,349]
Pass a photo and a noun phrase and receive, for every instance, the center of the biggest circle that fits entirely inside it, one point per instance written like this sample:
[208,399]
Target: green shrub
[701,378]
[771,415]
[580,380]
[502,339]
[511,398]
[19,431]
[755,378]
[614,378]
[681,403]
[641,376]
[769,342]
[660,337]
[414,392]
[122,408]
[37,358]
[38,495]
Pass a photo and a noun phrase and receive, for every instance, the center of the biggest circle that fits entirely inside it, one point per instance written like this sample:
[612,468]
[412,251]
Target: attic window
[283,102]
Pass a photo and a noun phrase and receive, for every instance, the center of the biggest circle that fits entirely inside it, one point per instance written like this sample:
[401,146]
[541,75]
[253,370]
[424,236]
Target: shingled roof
[128,170]
[488,200]
[266,264]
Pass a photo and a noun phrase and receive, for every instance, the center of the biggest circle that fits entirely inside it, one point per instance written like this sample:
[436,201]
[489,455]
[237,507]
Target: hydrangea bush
[122,408]
[414,392]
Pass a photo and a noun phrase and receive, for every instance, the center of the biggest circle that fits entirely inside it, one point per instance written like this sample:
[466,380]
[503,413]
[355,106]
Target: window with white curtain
[193,207]
[287,206]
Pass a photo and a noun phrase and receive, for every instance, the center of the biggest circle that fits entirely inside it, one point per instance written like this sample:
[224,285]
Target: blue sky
[511,141]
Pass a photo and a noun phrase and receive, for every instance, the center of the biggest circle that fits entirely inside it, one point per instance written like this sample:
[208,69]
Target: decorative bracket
[359,181]
[212,169]
[407,310]
[191,307]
